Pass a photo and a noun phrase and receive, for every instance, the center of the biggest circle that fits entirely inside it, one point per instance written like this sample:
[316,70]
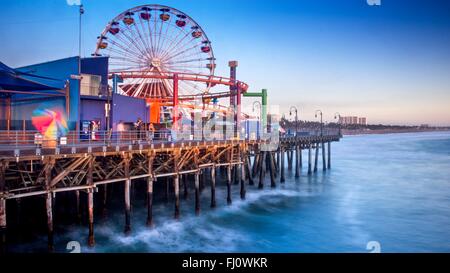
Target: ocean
[388,193]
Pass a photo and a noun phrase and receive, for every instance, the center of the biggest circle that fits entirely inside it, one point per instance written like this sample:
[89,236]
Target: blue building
[86,100]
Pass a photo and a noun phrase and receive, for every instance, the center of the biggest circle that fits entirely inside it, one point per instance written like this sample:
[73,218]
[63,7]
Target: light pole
[321,122]
[297,150]
[337,115]
[259,117]
[79,40]
[296,118]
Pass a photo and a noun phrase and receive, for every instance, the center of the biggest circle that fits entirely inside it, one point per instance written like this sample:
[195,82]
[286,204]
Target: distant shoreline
[348,132]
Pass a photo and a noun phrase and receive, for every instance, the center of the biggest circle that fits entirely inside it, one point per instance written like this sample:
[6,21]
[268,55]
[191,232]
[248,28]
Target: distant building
[353,120]
[362,121]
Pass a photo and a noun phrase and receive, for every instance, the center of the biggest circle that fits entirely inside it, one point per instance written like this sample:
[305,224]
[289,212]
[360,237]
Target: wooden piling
[297,161]
[316,158]
[242,182]
[213,187]
[49,209]
[236,174]
[324,165]
[329,154]
[2,225]
[271,158]
[91,240]
[262,170]
[77,207]
[105,199]
[176,185]
[300,157]
[49,205]
[282,178]
[2,208]
[249,173]
[90,193]
[197,193]
[150,201]
[255,165]
[229,185]
[185,186]
[278,161]
[127,185]
[166,194]
[289,158]
[309,159]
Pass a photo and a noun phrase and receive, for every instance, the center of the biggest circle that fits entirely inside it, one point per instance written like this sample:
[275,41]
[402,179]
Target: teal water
[393,189]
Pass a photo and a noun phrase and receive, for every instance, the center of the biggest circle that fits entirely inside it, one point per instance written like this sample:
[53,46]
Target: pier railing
[23,140]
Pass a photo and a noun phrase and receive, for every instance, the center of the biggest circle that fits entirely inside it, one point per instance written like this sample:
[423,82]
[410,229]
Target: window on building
[90,85]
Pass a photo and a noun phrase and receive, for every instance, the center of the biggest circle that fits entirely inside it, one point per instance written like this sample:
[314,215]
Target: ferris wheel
[156,40]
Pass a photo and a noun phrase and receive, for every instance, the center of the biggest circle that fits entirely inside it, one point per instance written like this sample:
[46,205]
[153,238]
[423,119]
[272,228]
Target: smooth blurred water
[394,189]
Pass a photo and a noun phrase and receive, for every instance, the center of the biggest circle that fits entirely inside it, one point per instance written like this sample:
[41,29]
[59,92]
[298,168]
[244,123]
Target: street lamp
[259,117]
[338,115]
[321,122]
[296,117]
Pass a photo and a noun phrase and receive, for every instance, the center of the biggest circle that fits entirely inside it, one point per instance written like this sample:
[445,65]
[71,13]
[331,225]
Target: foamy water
[393,189]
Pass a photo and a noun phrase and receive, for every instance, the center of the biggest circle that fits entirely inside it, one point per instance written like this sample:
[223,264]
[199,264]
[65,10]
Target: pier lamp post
[321,121]
[337,115]
[296,118]
[258,125]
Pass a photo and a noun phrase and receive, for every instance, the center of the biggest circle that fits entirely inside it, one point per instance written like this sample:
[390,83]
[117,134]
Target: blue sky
[390,63]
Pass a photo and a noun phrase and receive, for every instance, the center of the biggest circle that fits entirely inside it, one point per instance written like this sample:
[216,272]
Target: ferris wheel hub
[155,62]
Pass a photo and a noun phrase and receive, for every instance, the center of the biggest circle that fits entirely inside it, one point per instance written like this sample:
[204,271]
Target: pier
[79,167]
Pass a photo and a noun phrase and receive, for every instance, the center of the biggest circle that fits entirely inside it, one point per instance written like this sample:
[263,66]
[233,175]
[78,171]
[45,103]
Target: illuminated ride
[163,56]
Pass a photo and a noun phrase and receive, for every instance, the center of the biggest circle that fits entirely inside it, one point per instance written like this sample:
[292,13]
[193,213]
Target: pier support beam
[244,163]
[282,178]
[316,158]
[289,158]
[2,209]
[329,154]
[77,208]
[2,225]
[197,193]
[324,164]
[255,164]
[309,159]
[229,185]
[213,187]
[185,186]
[249,173]
[127,228]
[49,209]
[300,157]
[262,170]
[49,203]
[91,241]
[176,185]
[278,160]
[271,158]
[105,199]
[166,194]
[90,197]
[297,161]
[150,201]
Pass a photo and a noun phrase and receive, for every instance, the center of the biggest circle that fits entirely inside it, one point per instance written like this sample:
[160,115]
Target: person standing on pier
[138,126]
[151,129]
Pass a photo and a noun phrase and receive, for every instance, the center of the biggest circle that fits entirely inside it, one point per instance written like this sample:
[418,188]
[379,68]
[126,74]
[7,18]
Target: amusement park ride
[162,55]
